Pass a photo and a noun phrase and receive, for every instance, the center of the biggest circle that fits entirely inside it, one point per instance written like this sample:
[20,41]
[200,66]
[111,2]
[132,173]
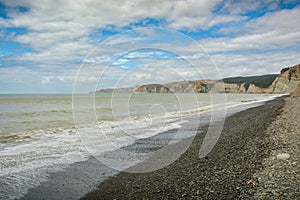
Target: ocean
[44,134]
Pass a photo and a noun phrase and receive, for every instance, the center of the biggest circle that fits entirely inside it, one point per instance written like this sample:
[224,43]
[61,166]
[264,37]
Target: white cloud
[241,7]
[62,27]
[59,34]
[282,21]
[224,19]
[265,33]
[255,63]
[53,22]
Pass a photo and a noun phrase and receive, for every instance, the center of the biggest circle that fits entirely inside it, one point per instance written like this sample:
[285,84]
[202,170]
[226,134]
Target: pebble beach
[256,157]
[279,177]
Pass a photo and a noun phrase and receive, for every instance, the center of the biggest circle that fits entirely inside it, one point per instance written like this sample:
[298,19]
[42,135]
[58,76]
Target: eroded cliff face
[220,87]
[287,82]
[176,87]
[253,89]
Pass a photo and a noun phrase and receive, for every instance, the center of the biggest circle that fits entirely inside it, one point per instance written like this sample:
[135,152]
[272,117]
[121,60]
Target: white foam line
[18,176]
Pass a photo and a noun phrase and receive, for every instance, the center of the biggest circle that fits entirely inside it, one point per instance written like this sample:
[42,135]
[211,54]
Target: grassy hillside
[263,81]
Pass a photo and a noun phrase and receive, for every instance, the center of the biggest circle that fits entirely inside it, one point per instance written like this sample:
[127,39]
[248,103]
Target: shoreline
[79,178]
[225,173]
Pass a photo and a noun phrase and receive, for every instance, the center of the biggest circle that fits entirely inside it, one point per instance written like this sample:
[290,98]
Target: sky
[52,46]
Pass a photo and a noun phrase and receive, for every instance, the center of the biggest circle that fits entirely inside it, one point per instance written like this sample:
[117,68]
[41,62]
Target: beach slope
[229,171]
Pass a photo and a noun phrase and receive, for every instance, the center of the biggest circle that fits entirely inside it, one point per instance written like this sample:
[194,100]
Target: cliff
[220,86]
[288,81]
[253,89]
[176,87]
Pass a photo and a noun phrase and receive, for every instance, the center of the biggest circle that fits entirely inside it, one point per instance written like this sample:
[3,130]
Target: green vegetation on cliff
[260,81]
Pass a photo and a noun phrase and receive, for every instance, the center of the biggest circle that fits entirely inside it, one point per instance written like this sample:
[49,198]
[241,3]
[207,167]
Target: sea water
[38,135]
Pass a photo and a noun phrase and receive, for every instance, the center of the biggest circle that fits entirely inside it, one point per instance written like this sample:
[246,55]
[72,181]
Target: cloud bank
[43,44]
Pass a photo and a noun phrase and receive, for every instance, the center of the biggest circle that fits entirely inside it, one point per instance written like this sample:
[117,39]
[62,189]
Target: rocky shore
[279,177]
[247,162]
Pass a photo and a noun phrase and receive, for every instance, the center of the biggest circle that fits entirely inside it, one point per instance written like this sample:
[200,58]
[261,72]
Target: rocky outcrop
[287,82]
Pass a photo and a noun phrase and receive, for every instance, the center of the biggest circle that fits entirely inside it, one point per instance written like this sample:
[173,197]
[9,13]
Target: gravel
[279,177]
[242,165]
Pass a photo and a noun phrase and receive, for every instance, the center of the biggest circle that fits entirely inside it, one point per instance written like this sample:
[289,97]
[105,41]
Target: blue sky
[42,46]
